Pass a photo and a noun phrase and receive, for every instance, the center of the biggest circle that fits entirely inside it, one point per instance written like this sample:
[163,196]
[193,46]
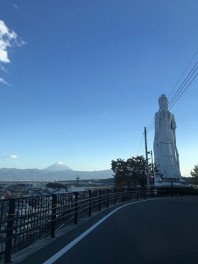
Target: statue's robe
[165,150]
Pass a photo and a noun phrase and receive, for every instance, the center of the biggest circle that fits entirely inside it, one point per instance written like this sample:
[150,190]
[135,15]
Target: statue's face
[163,102]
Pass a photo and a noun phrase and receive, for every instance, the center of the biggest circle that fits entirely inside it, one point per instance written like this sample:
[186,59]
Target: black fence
[26,219]
[175,191]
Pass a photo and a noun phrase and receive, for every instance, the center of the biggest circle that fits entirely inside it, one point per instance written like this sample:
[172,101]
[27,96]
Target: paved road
[161,231]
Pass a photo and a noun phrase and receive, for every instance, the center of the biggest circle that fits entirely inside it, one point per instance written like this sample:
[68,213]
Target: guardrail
[26,219]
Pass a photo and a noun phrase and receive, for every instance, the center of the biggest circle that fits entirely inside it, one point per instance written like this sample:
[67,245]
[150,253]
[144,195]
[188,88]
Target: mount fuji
[58,166]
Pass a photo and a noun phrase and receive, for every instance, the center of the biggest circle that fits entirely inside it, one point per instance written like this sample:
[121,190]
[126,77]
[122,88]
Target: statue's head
[163,102]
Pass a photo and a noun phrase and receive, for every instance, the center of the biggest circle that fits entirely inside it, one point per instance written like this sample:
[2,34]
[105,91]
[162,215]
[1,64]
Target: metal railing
[26,219]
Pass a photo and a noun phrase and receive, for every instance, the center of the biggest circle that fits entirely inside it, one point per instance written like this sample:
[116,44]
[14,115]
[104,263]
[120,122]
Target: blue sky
[83,77]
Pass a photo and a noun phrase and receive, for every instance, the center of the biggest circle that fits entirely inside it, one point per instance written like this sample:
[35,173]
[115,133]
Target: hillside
[46,175]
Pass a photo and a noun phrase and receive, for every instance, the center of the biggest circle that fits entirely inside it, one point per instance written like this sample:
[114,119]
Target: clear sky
[80,79]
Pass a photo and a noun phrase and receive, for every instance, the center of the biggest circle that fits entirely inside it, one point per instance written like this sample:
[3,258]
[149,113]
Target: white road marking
[84,234]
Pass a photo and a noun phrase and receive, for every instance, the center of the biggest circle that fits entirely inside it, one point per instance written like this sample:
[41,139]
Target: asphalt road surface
[160,231]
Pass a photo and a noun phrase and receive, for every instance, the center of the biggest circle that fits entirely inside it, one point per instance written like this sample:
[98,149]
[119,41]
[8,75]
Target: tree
[194,174]
[137,169]
[129,173]
[119,167]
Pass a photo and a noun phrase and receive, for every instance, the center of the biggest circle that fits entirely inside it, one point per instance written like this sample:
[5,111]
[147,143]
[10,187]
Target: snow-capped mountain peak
[58,166]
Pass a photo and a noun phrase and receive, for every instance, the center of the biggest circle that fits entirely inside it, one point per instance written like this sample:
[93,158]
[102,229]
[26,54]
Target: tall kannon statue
[165,149]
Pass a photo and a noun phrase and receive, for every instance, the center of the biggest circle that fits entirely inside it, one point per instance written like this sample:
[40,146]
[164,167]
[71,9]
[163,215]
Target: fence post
[53,217]
[76,208]
[107,198]
[128,198]
[130,194]
[99,199]
[122,195]
[127,191]
[9,231]
[90,200]
[115,196]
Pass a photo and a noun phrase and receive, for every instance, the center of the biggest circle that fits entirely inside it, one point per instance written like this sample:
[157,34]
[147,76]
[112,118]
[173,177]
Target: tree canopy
[129,173]
[194,174]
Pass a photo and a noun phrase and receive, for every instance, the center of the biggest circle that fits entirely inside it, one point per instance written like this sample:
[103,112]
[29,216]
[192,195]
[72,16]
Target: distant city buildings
[25,189]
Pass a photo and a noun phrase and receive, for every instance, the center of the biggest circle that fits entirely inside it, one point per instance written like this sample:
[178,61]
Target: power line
[184,83]
[151,128]
[183,72]
[140,144]
[150,124]
[182,88]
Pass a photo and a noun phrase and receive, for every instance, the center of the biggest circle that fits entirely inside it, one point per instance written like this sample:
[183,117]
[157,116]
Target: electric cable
[183,72]
[140,144]
[181,89]
[184,83]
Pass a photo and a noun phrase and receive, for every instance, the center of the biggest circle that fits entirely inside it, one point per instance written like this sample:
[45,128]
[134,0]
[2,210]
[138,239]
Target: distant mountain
[58,166]
[47,175]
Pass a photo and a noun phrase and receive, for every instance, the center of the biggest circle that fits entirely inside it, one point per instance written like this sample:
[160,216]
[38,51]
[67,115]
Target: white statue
[165,150]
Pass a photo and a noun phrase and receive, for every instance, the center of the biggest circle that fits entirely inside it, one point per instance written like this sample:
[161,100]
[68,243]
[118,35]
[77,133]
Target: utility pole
[147,167]
[152,168]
